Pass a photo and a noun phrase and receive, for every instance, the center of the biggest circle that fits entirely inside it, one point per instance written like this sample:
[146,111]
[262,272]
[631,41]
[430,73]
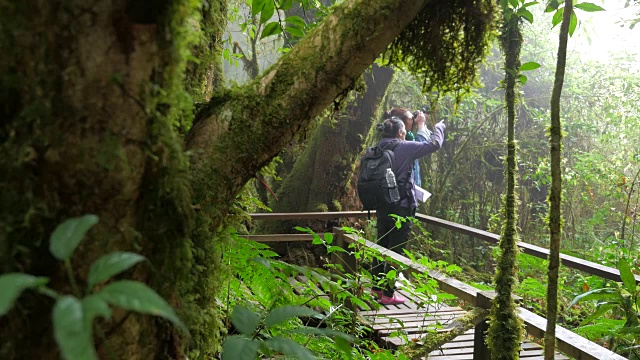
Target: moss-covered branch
[431,342]
[251,124]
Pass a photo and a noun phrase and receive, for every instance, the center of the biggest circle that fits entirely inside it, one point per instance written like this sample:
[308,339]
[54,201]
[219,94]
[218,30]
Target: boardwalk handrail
[567,342]
[569,261]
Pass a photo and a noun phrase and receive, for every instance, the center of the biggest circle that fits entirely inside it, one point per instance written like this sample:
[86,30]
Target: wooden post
[480,349]
[346,260]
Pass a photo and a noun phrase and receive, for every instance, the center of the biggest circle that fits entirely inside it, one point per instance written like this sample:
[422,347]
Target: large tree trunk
[85,129]
[321,174]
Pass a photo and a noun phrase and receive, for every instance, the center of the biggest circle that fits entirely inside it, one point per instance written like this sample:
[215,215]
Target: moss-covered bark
[555,193]
[321,174]
[505,329]
[90,97]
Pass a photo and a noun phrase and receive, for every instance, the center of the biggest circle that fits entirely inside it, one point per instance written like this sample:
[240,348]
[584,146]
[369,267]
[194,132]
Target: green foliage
[292,27]
[13,285]
[68,235]
[621,302]
[73,317]
[268,307]
[110,265]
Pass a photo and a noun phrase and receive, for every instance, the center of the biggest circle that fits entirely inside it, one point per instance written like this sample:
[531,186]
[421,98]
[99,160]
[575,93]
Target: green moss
[444,44]
[434,341]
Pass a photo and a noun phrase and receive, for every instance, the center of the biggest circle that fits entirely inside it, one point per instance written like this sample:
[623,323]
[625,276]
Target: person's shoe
[377,293]
[392,300]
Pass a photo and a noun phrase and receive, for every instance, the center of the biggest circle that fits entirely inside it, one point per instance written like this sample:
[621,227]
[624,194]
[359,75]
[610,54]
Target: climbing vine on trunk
[555,193]
[505,330]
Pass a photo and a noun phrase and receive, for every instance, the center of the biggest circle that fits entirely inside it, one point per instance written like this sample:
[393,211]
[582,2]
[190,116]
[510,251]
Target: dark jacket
[405,154]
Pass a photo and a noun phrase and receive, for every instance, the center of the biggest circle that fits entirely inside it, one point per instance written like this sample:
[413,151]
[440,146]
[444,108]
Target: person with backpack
[404,155]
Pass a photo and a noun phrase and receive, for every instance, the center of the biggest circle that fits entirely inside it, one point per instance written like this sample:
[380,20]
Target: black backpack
[372,184]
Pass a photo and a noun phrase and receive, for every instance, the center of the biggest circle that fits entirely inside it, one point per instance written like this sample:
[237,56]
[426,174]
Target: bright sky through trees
[605,35]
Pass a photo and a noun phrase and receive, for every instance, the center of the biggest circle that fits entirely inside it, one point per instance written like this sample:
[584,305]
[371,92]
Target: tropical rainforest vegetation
[136,137]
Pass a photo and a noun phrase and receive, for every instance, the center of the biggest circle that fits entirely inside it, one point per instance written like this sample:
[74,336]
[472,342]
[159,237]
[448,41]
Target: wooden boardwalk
[397,324]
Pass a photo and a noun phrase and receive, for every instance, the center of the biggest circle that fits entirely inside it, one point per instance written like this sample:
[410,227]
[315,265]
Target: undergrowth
[277,309]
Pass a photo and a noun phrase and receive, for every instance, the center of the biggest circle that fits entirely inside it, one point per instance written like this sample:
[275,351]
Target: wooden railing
[572,262]
[567,342]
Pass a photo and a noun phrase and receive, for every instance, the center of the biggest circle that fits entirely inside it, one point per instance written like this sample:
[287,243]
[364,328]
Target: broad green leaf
[237,347]
[336,249]
[138,297]
[531,65]
[600,310]
[552,6]
[573,22]
[557,17]
[272,28]
[284,313]
[530,4]
[526,14]
[589,7]
[626,275]
[344,346]
[289,347]
[70,330]
[68,235]
[94,306]
[323,331]
[328,237]
[296,21]
[285,5]
[12,285]
[267,12]
[111,265]
[245,320]
[595,294]
[504,4]
[256,6]
[514,3]
[522,79]
[632,330]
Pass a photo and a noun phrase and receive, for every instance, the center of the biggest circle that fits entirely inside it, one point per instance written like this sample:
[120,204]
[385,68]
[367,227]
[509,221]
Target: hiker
[405,154]
[414,133]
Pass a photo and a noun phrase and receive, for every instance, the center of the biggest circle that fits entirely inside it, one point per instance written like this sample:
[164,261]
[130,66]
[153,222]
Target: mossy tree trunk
[91,95]
[505,330]
[321,174]
[555,192]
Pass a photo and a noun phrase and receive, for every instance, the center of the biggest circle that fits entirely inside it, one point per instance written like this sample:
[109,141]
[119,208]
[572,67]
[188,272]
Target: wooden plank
[279,237]
[567,342]
[447,284]
[385,311]
[537,251]
[311,215]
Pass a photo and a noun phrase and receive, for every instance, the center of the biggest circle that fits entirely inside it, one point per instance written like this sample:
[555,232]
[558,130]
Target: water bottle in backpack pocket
[394,194]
